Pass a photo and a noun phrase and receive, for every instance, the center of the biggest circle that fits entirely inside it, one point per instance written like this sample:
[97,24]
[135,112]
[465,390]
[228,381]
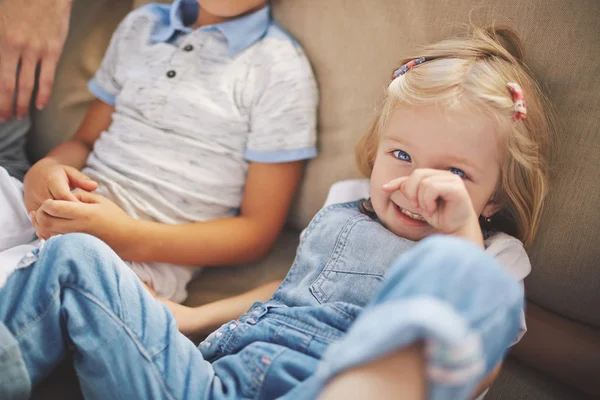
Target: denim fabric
[342,257]
[14,381]
[13,136]
[333,304]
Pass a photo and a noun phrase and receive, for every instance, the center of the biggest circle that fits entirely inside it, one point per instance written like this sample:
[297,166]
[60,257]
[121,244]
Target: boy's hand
[92,214]
[48,179]
[442,199]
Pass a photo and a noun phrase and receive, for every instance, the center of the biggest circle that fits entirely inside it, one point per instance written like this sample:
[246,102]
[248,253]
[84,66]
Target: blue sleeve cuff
[101,93]
[280,156]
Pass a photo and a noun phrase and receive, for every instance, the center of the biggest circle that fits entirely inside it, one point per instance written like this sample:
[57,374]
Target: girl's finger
[394,184]
[431,189]
[410,188]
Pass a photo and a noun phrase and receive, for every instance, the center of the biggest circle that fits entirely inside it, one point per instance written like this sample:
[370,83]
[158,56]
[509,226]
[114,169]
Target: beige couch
[354,45]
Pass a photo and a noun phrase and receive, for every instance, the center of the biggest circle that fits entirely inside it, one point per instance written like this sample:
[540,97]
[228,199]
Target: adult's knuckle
[8,85]
[46,81]
[53,49]
[15,40]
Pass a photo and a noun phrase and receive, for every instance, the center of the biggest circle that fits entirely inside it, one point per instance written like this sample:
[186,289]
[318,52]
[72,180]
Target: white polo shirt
[193,108]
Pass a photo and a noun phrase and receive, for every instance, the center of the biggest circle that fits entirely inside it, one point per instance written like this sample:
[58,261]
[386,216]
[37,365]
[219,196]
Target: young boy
[193,150]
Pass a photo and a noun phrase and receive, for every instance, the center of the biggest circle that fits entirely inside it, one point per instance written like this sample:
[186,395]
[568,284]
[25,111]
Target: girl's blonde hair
[472,73]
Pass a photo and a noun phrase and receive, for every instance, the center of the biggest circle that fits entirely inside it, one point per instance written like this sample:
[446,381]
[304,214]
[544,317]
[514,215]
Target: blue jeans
[79,295]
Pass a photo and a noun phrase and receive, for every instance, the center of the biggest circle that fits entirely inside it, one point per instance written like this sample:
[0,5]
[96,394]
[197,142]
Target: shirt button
[171,73]
[188,47]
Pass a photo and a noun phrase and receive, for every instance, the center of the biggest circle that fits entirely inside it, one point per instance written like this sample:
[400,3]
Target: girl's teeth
[413,216]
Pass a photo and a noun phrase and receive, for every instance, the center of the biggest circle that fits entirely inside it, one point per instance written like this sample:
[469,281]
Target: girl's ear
[490,209]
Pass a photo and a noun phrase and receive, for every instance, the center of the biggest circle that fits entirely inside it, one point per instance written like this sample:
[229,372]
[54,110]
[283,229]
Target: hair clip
[409,65]
[519,99]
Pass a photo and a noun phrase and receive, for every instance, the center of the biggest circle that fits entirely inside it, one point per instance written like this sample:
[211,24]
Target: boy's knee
[75,244]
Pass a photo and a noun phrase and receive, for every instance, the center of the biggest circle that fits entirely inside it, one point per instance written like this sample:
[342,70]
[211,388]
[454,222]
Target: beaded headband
[515,89]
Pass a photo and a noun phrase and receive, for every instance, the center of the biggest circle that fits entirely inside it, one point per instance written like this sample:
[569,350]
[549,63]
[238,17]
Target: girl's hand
[48,179]
[92,214]
[441,198]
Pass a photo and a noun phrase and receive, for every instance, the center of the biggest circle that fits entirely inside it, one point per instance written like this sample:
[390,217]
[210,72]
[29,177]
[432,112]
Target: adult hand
[32,33]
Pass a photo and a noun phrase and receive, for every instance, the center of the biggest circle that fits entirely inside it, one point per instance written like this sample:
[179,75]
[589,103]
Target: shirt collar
[240,33]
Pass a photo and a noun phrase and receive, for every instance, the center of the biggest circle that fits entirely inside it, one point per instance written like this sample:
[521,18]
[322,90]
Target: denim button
[188,47]
[171,74]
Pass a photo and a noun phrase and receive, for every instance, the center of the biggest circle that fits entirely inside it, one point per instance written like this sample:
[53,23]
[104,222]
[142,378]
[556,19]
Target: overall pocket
[356,267]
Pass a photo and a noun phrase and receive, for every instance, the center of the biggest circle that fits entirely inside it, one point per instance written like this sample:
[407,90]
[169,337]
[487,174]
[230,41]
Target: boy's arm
[205,319]
[75,151]
[268,195]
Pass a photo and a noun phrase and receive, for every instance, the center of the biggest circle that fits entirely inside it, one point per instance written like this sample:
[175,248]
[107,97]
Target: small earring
[488,219]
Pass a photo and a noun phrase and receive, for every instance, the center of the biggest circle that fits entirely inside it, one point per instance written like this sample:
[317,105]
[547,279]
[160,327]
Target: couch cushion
[219,282]
[519,382]
[355,48]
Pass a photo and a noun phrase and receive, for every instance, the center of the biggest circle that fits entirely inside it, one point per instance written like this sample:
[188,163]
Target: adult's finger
[46,77]
[25,82]
[9,59]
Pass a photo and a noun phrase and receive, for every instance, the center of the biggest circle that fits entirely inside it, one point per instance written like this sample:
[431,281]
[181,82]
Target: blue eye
[458,172]
[402,155]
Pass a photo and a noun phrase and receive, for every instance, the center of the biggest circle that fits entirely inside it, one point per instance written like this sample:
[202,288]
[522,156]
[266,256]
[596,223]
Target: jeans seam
[29,325]
[253,371]
[339,248]
[141,348]
[266,370]
[302,327]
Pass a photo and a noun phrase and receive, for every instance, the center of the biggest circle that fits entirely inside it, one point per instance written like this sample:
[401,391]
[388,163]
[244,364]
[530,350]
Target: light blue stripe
[100,93]
[280,156]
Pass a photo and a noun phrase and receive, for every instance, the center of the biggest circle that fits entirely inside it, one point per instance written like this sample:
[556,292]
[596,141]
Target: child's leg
[397,375]
[447,294]
[80,295]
